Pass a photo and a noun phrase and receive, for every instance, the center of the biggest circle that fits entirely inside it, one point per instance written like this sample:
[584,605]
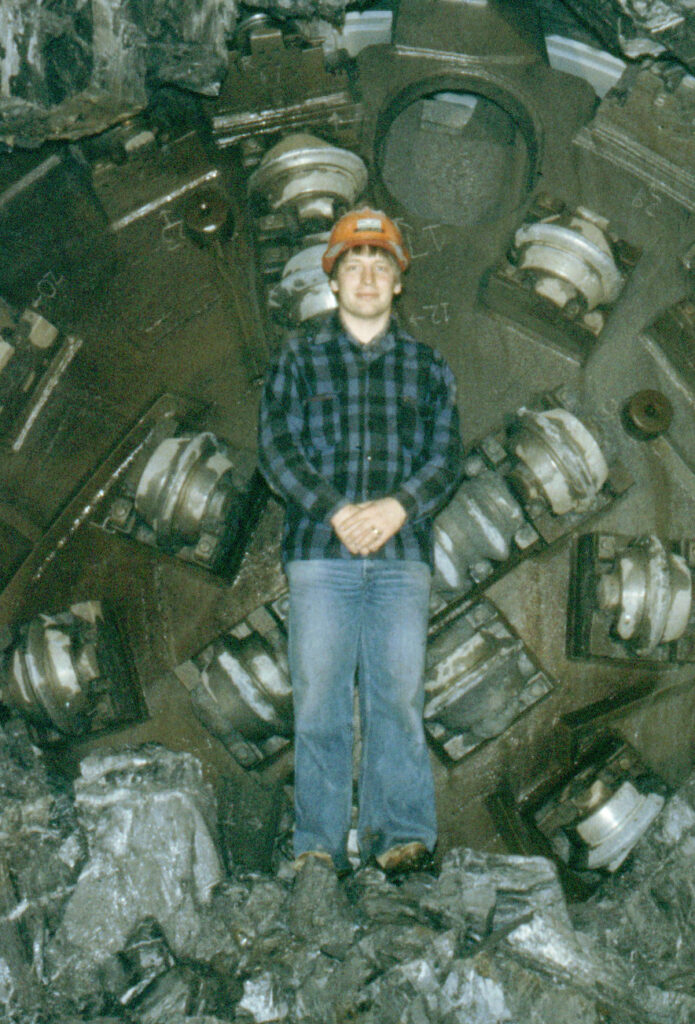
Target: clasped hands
[365,527]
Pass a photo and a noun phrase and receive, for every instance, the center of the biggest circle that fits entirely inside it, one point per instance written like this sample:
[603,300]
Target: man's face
[366,283]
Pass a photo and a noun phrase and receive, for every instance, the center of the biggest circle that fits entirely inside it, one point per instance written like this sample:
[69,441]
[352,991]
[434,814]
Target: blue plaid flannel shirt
[342,423]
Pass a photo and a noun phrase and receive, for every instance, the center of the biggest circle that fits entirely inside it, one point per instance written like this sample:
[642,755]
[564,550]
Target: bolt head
[120,509]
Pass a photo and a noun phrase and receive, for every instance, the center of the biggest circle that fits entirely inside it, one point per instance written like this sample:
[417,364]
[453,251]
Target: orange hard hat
[365,227]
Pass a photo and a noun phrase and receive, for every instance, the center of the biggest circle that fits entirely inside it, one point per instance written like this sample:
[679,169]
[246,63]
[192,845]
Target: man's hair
[366,250]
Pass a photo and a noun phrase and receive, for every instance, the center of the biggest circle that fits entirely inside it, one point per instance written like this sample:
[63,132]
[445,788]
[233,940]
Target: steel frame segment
[80,511]
[490,28]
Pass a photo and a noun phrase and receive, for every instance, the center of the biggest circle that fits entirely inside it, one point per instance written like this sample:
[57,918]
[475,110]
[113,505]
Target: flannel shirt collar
[332,328]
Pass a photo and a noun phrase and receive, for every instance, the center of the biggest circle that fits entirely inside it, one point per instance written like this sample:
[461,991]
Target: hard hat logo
[369,224]
[365,227]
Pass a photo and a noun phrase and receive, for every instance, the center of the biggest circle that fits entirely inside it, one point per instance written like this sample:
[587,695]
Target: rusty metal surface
[277,87]
[637,152]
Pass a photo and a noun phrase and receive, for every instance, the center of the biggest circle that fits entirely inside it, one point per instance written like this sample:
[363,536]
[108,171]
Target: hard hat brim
[376,241]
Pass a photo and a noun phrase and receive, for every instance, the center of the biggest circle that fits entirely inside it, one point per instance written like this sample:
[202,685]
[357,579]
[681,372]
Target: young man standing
[359,436]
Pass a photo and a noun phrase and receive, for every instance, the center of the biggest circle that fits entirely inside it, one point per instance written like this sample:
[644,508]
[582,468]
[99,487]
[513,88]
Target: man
[359,436]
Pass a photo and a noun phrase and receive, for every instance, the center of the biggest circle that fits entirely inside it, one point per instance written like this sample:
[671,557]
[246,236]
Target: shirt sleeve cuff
[408,502]
[327,504]
[336,508]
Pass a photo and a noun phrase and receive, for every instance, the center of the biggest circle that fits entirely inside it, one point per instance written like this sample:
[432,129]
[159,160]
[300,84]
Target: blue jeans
[367,616]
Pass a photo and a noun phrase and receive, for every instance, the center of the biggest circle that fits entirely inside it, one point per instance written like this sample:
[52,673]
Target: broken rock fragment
[149,819]
[40,854]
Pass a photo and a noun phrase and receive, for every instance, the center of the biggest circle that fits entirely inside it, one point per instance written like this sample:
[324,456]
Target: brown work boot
[400,860]
[301,860]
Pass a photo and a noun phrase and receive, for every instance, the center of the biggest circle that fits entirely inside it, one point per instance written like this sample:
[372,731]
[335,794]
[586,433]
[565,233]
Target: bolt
[473,465]
[207,214]
[606,546]
[688,259]
[647,414]
[120,510]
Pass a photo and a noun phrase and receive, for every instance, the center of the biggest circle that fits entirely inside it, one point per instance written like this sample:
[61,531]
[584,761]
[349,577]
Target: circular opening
[457,157]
